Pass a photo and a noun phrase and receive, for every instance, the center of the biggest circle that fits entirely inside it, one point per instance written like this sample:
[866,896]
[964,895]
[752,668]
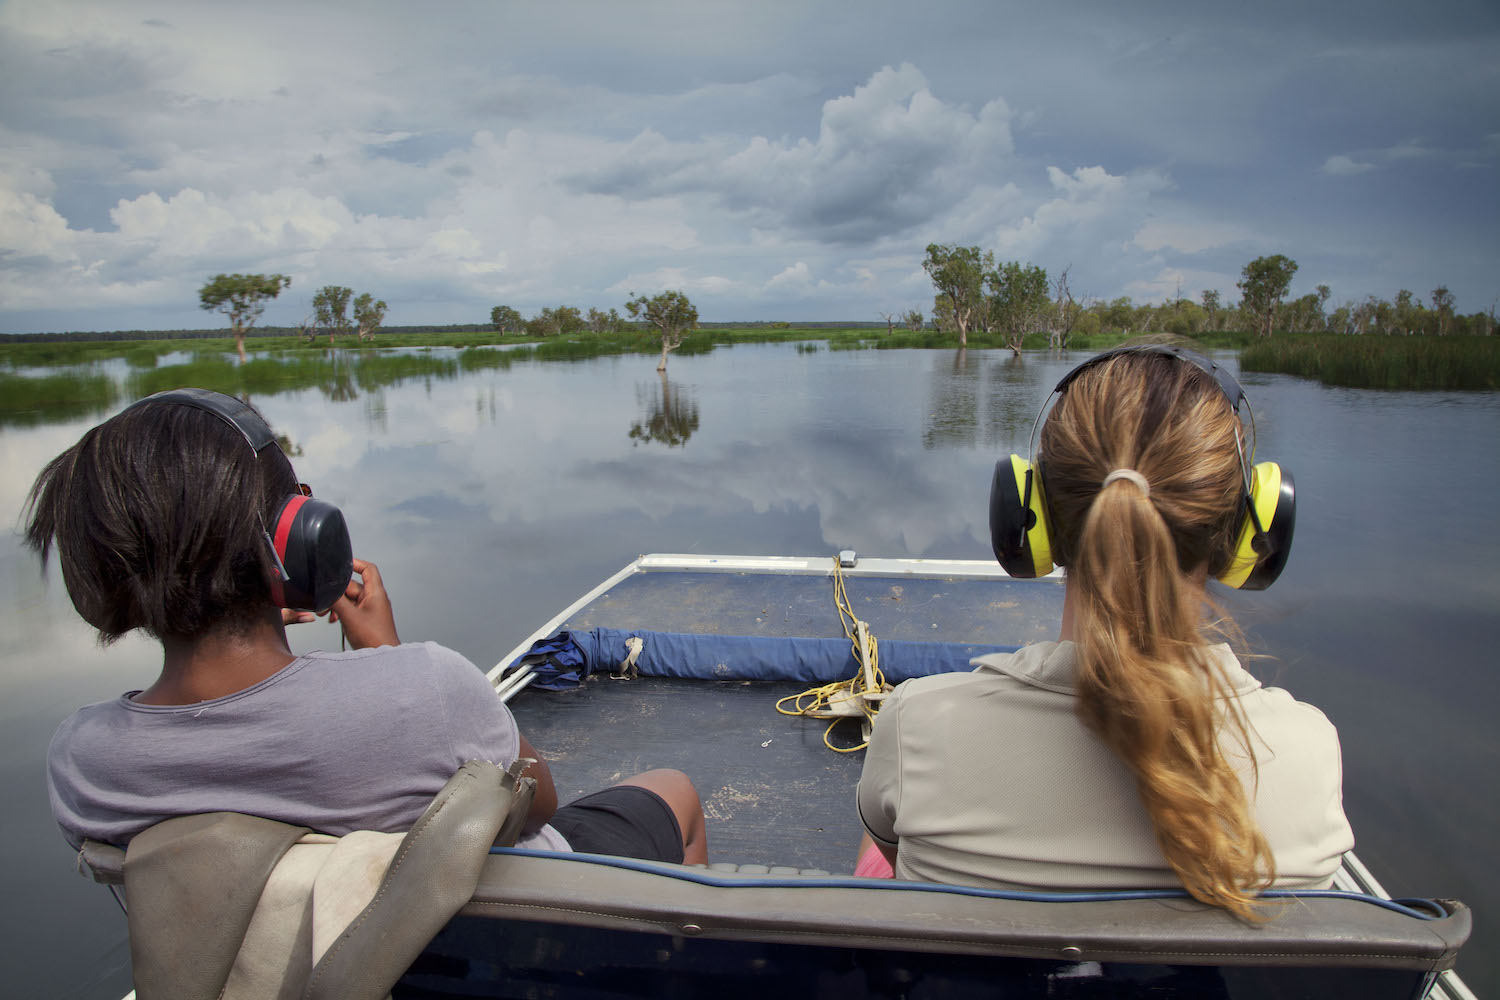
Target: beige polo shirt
[988,778]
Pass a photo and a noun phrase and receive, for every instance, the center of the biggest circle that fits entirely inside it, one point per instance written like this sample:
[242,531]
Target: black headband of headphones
[311,548]
[234,412]
[1227,382]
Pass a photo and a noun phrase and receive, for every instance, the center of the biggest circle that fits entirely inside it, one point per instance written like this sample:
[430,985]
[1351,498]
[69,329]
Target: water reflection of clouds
[24,453]
[874,495]
[543,442]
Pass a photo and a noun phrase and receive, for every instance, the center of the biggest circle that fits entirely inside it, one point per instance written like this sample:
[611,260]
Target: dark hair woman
[1135,751]
[182,517]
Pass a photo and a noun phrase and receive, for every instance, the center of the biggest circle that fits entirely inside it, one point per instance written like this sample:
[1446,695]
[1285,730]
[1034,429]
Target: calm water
[492,499]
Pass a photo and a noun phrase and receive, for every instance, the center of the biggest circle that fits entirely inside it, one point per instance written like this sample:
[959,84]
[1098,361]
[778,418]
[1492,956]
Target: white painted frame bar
[985,569]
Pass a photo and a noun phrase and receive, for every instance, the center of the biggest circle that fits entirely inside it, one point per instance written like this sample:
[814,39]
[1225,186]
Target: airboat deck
[772,791]
[780,805]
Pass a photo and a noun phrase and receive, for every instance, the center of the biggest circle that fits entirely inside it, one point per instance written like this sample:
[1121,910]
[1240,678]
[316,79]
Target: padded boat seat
[597,923]
[192,884]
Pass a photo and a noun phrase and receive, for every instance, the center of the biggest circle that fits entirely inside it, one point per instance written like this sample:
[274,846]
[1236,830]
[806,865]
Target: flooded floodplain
[493,487]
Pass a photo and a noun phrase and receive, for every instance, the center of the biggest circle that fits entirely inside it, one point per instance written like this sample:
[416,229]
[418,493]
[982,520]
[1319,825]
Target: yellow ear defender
[1022,538]
[1018,519]
[1265,536]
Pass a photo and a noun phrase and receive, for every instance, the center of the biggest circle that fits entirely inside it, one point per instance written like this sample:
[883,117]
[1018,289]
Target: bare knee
[664,781]
[677,791]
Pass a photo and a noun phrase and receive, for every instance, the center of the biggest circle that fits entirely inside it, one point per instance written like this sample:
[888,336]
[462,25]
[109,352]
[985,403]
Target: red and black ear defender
[1022,537]
[308,538]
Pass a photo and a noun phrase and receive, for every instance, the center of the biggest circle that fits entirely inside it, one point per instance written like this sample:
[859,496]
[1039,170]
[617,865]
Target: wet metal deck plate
[772,792]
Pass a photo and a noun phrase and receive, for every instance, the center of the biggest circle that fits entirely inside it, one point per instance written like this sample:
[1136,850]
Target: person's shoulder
[446,665]
[408,652]
[88,735]
[942,684]
[90,717]
[408,661]
[1274,706]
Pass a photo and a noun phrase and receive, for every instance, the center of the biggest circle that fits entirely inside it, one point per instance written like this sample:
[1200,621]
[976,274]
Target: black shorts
[626,821]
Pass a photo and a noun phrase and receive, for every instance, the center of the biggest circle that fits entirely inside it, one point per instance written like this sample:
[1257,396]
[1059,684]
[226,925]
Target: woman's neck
[220,662]
[1067,633]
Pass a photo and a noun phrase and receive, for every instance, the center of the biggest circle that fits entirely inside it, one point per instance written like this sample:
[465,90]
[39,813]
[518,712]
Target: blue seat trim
[1411,907]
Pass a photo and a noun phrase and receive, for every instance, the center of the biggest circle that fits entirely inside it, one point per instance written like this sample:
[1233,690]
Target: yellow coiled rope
[856,698]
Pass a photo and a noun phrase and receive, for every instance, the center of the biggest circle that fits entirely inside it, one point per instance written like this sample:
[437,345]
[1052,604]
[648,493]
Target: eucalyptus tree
[330,309]
[671,313]
[1263,282]
[1210,299]
[369,313]
[958,274]
[600,321]
[552,322]
[506,320]
[1118,314]
[241,297]
[1442,304]
[1406,312]
[1019,299]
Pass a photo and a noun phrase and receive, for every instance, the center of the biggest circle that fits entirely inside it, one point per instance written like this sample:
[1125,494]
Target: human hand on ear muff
[291,616]
[365,610]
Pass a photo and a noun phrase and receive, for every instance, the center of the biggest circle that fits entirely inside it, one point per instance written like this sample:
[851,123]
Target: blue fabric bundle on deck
[566,659]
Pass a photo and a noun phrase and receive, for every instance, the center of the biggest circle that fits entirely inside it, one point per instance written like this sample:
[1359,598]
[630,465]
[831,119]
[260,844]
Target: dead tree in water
[1068,311]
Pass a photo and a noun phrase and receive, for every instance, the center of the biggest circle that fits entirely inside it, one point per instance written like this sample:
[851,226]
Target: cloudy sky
[775,160]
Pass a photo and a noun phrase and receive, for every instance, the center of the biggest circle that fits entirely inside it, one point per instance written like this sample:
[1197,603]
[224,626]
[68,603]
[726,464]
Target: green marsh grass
[27,401]
[473,359]
[336,374]
[1373,361]
[80,352]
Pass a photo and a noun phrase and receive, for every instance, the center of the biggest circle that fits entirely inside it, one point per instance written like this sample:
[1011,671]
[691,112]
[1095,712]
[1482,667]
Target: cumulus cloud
[1090,204]
[1344,166]
[886,158]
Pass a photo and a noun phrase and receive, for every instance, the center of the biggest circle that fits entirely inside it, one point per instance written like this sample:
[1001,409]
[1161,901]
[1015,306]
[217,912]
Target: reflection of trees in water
[376,412]
[974,402]
[952,410]
[485,407]
[671,413]
[289,448]
[337,383]
[1010,405]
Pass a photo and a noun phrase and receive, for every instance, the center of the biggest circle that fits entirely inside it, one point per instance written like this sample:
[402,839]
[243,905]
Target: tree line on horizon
[1017,299]
[972,293]
[670,313]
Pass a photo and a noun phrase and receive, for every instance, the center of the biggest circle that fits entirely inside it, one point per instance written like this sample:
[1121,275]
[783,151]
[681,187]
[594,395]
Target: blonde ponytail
[1136,557]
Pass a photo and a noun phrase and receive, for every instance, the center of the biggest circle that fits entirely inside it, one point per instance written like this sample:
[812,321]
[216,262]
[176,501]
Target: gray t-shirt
[337,742]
